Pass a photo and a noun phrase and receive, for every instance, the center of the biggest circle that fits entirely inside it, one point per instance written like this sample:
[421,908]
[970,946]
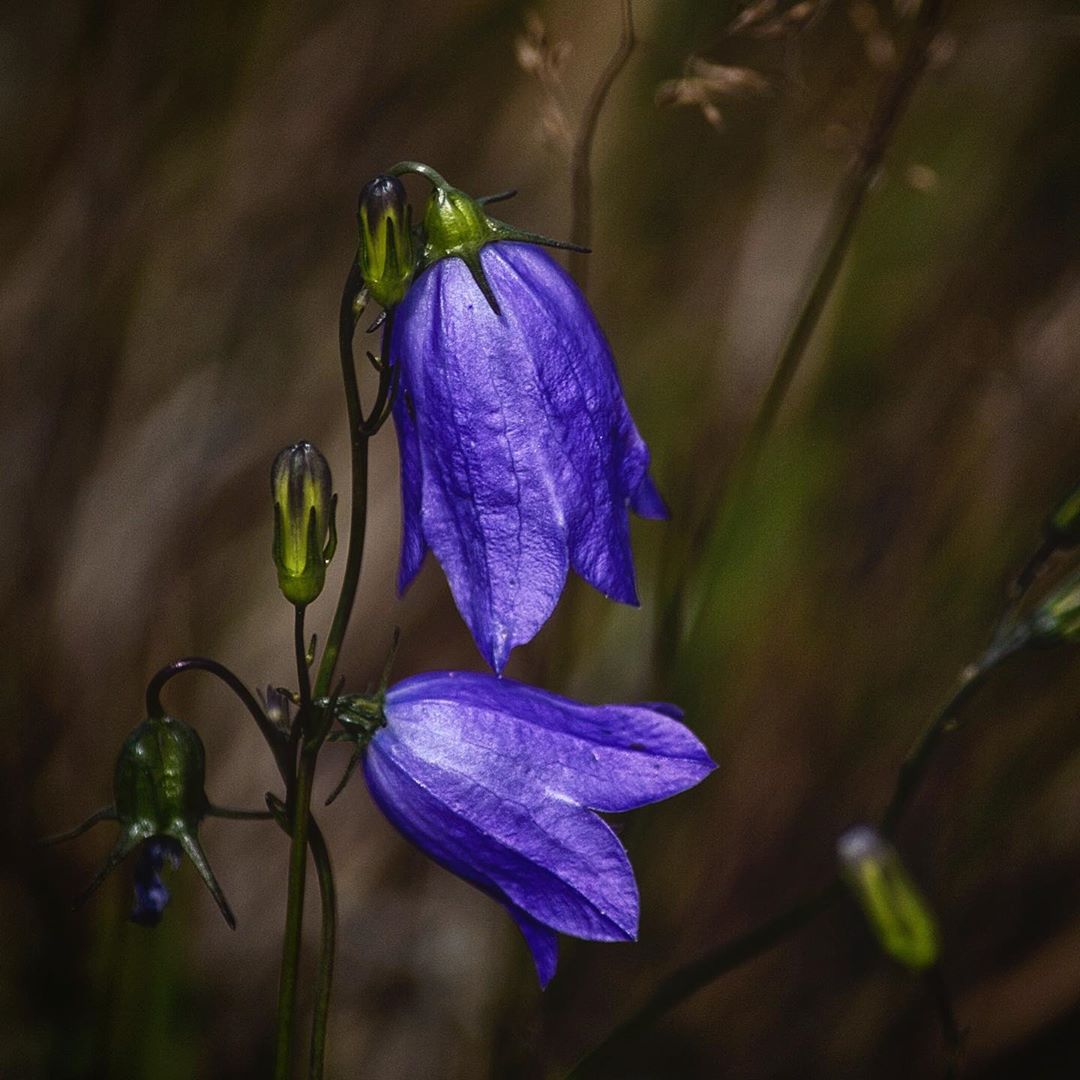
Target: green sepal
[456,226]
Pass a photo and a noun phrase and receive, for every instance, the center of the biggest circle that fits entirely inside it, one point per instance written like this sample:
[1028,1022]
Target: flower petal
[543,943]
[528,458]
[606,757]
[413,545]
[559,864]
[488,498]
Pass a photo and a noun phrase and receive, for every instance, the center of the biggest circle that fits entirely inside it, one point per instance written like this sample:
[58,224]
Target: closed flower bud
[895,909]
[304,532]
[386,254]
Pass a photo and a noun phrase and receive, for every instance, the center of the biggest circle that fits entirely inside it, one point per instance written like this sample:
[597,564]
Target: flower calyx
[159,802]
[456,226]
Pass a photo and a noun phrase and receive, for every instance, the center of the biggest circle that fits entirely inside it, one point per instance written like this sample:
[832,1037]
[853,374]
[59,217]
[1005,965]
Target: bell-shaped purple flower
[499,781]
[519,457]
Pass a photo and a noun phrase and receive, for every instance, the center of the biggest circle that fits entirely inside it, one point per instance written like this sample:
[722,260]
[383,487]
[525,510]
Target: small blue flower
[151,894]
[519,457]
[499,782]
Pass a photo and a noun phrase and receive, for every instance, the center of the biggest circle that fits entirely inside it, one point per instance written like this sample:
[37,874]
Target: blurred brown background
[177,191]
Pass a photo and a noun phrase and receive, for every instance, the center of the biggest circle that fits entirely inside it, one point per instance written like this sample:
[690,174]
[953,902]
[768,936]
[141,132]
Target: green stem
[299,822]
[358,438]
[325,974]
[844,216]
[303,674]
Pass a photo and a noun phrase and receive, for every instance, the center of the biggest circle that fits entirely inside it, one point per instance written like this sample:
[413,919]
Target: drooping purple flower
[519,457]
[499,782]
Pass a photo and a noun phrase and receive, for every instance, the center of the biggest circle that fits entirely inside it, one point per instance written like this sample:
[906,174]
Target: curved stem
[106,813]
[347,318]
[580,174]
[328,940]
[274,738]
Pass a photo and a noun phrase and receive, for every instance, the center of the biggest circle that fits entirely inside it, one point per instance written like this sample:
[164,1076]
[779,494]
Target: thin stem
[106,813]
[328,940]
[580,173]
[299,823]
[238,815]
[844,217]
[359,445]
[724,958]
[914,767]
[303,672]
[718,961]
[836,238]
[274,738]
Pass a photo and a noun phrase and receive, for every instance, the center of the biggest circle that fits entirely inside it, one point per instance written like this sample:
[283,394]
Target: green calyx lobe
[456,226]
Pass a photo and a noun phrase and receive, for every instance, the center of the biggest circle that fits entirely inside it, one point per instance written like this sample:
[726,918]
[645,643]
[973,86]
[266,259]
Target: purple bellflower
[519,457]
[500,783]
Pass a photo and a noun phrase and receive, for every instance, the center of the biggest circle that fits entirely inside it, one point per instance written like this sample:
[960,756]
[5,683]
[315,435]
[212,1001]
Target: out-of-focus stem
[580,173]
[686,981]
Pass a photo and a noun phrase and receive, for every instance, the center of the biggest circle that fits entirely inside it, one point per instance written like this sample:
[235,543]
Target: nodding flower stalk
[305,534]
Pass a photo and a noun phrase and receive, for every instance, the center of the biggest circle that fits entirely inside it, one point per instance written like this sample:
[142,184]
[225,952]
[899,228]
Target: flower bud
[1058,617]
[385,255]
[1064,524]
[897,912]
[304,531]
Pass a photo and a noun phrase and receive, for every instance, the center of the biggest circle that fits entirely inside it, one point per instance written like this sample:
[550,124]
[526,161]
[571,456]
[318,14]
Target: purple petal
[497,781]
[543,943]
[528,458]
[413,545]
[606,757]
[562,866]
